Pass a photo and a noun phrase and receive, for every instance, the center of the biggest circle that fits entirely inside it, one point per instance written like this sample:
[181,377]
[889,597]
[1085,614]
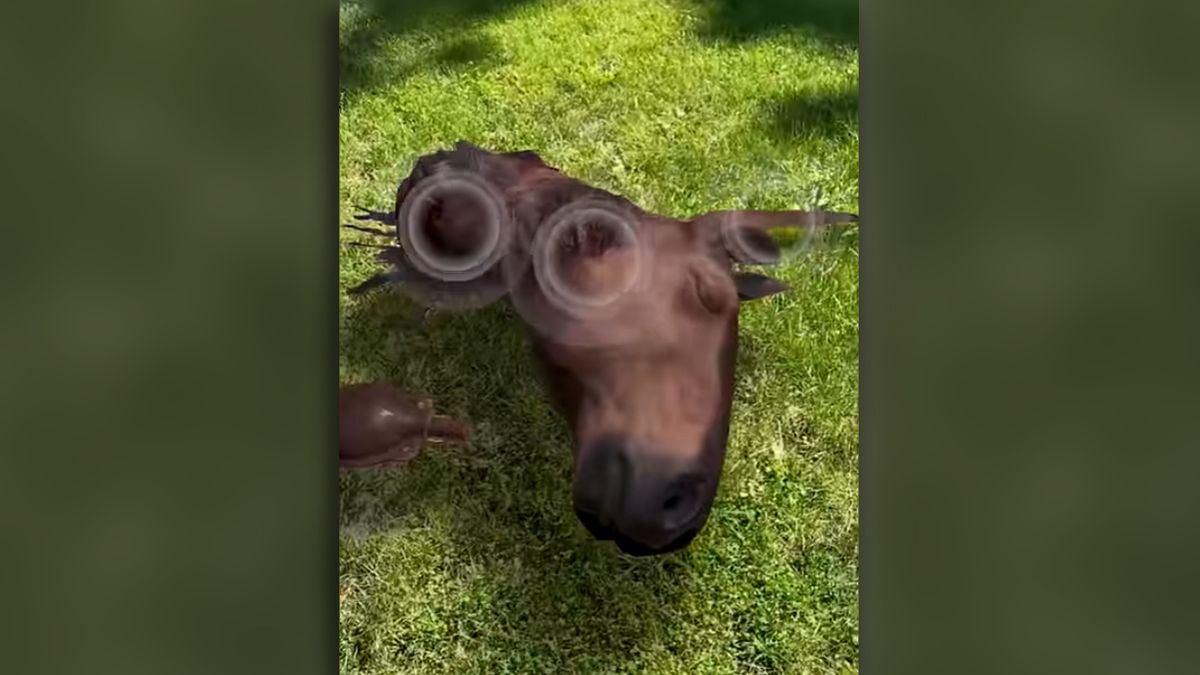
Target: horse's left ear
[744,233]
[751,286]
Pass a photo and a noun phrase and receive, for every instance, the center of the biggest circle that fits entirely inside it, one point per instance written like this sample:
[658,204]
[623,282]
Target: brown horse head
[632,317]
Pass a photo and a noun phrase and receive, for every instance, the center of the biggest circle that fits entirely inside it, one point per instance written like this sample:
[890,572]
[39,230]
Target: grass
[473,561]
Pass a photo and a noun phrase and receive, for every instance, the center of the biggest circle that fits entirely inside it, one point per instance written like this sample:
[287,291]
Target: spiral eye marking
[423,254]
[551,237]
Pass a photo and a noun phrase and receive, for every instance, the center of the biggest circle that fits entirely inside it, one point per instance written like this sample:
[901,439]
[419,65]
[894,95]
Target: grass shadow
[742,20]
[504,504]
[826,114]
[362,68]
[365,55]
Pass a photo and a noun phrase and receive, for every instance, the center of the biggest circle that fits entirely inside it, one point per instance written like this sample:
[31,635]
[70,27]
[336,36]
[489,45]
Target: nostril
[601,482]
[680,506]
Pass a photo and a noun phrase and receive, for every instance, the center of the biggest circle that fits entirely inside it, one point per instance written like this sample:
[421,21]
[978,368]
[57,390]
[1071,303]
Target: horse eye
[714,296]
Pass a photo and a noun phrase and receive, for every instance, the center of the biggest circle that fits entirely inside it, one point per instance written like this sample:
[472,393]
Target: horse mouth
[633,547]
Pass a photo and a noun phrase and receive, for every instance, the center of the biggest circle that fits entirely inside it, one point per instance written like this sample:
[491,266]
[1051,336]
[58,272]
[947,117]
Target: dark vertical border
[172,486]
[1028,297]
[866,442]
[331,274]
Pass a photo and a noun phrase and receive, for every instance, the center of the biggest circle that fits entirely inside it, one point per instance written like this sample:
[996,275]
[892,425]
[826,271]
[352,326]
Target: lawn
[472,561]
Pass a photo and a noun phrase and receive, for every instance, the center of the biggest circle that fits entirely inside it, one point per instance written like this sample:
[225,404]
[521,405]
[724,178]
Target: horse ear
[744,233]
[753,247]
[751,286]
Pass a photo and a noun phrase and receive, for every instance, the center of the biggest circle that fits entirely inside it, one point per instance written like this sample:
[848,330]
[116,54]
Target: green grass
[472,561]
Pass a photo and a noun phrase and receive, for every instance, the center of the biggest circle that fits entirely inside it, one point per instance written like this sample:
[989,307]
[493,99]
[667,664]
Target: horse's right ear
[751,286]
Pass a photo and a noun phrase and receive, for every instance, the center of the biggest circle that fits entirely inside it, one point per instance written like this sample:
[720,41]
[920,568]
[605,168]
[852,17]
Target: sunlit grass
[473,562]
